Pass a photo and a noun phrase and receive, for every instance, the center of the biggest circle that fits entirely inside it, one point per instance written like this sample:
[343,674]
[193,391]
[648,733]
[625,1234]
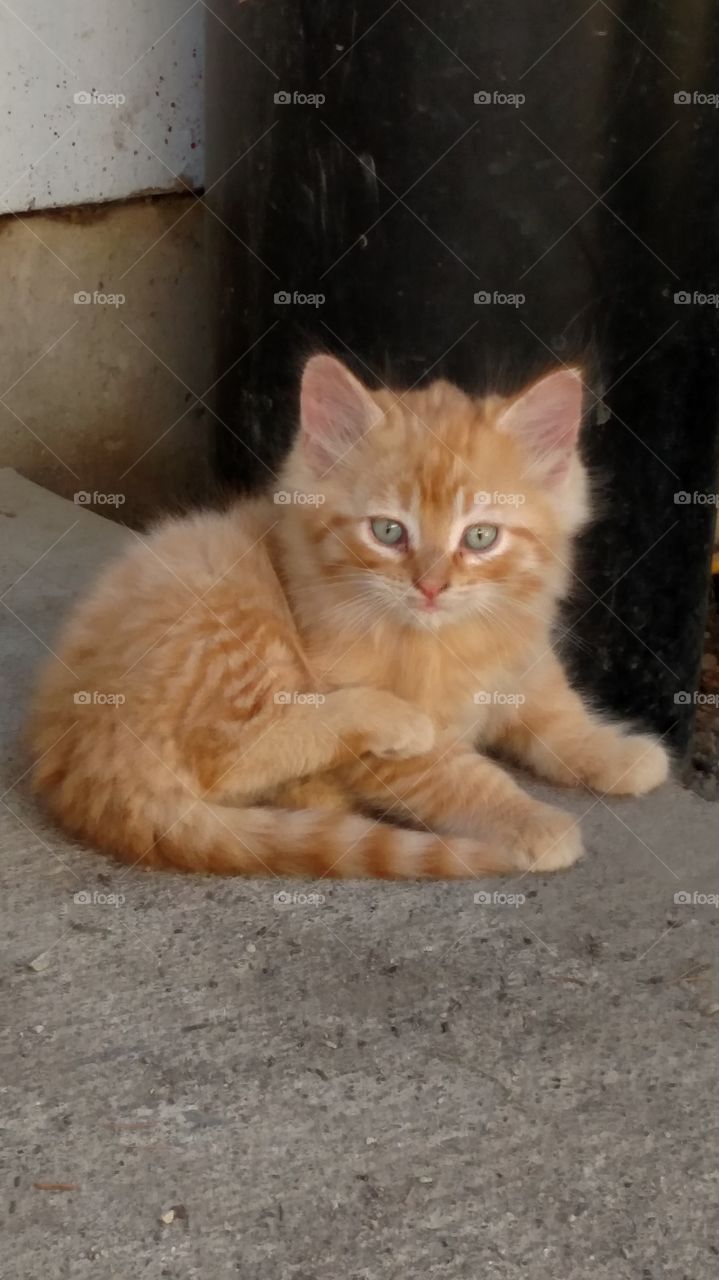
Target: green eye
[480,536]
[389,532]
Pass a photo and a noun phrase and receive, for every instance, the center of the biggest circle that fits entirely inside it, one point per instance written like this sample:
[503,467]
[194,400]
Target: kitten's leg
[457,791]
[556,736]
[318,791]
[246,759]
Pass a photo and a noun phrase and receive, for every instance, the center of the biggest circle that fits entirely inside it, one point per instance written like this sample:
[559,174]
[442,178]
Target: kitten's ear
[546,419]
[335,411]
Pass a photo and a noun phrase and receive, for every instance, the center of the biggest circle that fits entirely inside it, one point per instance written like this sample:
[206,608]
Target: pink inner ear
[335,410]
[546,419]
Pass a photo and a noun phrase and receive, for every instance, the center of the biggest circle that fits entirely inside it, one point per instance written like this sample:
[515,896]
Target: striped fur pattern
[292,687]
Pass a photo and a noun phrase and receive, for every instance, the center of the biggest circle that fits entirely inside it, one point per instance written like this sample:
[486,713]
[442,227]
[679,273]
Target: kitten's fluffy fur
[287,677]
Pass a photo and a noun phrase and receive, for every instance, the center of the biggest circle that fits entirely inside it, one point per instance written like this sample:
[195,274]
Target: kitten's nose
[430,590]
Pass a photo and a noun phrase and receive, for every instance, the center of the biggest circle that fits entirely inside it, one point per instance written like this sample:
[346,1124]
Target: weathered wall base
[101,397]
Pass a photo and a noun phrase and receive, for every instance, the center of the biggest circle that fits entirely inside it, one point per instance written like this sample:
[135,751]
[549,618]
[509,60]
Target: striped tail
[312,843]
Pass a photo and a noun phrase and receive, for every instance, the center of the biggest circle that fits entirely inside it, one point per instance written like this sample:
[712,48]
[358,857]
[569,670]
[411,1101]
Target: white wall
[56,151]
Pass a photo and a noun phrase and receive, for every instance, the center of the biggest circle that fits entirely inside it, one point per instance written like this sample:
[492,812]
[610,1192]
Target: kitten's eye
[480,536]
[390,532]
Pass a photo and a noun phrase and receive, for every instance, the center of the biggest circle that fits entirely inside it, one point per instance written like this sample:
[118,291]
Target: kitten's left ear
[335,411]
[546,420]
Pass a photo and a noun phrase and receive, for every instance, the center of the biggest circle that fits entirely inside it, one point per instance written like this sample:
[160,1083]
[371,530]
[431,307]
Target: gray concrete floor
[396,1082]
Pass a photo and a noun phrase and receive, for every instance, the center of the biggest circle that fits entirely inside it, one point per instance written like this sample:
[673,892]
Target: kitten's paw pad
[548,839]
[639,764]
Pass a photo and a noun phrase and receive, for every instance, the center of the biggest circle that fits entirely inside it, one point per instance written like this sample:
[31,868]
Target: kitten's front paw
[405,732]
[547,839]
[638,763]
[388,726]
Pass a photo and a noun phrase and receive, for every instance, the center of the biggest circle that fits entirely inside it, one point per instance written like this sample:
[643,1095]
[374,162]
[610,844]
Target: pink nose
[430,590]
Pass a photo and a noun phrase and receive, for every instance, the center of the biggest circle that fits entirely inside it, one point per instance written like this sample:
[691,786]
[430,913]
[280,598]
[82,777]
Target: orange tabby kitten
[342,651]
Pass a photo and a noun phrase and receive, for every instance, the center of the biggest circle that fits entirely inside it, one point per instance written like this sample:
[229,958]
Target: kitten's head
[433,507]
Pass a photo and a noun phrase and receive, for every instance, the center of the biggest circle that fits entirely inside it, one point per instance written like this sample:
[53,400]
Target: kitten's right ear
[546,418]
[335,411]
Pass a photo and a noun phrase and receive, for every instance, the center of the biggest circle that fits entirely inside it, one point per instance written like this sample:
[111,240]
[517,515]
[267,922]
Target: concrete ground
[396,1081]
